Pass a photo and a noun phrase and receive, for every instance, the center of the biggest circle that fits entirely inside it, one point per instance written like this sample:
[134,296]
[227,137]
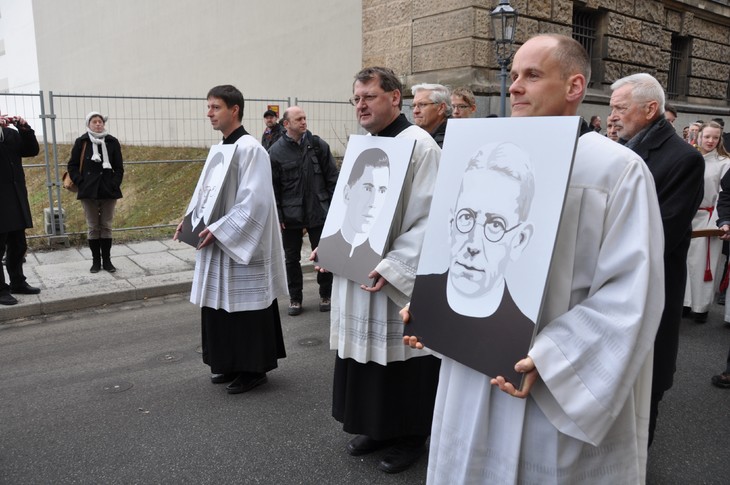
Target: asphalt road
[119,394]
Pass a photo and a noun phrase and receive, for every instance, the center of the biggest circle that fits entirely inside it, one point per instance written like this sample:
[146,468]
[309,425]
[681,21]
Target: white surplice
[699,293]
[586,418]
[244,269]
[366,326]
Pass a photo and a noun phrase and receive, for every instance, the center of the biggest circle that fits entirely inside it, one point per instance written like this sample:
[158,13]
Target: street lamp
[504,21]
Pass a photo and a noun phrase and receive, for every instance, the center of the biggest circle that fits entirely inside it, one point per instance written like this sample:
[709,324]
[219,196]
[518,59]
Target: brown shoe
[325,304]
[295,308]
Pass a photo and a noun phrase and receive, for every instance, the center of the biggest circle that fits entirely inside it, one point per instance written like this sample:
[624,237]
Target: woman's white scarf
[96,140]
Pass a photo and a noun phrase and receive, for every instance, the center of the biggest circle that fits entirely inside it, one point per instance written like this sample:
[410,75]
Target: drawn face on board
[488,227]
[212,180]
[365,199]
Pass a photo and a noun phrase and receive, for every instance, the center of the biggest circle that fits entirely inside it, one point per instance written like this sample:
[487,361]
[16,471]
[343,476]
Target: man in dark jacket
[15,215]
[637,110]
[304,176]
[273,129]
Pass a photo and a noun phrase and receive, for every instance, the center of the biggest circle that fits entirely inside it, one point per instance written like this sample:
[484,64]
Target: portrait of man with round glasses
[489,228]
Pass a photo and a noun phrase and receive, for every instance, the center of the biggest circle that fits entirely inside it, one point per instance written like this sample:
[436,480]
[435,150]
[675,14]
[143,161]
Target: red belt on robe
[708,270]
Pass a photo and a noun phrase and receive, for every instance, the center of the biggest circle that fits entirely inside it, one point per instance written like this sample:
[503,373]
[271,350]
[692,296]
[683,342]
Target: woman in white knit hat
[97,169]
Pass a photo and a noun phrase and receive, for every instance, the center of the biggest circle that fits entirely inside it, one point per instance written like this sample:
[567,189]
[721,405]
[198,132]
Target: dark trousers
[656,397]
[292,240]
[13,244]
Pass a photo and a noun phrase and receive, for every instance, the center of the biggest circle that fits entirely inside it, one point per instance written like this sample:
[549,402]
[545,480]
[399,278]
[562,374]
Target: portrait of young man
[355,233]
[199,213]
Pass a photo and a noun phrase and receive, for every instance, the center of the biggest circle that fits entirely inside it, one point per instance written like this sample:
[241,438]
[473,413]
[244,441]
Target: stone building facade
[685,44]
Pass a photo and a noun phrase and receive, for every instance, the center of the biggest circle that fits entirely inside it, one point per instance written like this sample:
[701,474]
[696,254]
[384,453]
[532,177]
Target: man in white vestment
[239,266]
[372,362]
[582,413]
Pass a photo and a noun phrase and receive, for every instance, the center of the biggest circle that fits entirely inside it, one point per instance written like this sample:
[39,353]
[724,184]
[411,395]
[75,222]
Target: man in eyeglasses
[431,109]
[489,229]
[372,362]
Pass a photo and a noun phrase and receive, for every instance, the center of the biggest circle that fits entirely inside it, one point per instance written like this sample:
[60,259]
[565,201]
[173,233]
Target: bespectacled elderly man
[431,109]
[637,110]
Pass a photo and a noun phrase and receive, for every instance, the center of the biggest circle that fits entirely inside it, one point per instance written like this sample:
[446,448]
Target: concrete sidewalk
[144,269]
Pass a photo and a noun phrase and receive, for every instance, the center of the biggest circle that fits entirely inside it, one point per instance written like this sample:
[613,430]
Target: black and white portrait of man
[489,228]
[353,238]
[200,211]
[487,249]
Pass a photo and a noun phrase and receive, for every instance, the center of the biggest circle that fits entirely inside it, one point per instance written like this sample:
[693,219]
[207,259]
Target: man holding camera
[15,142]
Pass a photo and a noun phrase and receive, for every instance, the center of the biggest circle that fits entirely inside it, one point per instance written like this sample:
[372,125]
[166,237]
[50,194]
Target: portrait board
[489,241]
[356,231]
[203,204]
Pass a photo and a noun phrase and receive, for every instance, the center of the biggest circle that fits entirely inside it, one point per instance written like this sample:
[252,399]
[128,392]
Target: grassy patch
[154,193]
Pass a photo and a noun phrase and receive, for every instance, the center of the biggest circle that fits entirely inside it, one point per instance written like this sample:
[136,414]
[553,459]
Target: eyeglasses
[461,107]
[495,227]
[355,100]
[421,105]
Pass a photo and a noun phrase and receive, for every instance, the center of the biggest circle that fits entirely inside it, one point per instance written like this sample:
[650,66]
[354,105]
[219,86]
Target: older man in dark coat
[637,109]
[14,207]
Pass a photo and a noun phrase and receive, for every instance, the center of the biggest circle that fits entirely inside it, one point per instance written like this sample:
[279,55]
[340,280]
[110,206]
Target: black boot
[106,258]
[95,246]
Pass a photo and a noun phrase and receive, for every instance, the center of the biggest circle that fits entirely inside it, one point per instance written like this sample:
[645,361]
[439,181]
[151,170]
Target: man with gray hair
[431,109]
[637,111]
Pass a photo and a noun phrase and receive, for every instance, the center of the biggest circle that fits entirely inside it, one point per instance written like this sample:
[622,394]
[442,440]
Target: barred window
[584,29]
[677,78]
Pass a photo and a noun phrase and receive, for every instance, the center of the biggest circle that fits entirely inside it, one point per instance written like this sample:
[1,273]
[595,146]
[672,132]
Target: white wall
[308,49]
[19,63]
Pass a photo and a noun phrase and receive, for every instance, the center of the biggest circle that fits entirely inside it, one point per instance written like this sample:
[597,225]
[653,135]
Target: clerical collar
[398,125]
[235,135]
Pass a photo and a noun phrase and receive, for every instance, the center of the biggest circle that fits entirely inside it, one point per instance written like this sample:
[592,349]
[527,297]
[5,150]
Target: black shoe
[362,445]
[700,317]
[402,455]
[108,266]
[245,382]
[6,298]
[95,267]
[25,289]
[722,380]
[222,378]
[686,311]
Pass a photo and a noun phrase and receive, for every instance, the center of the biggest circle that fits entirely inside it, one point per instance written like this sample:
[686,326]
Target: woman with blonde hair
[704,252]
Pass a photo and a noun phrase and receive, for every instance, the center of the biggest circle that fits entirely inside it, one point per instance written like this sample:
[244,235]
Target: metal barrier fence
[150,121]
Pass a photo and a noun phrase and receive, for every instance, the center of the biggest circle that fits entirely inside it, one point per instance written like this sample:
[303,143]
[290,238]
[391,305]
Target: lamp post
[504,21]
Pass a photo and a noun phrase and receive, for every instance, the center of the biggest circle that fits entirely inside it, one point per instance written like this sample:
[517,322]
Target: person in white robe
[703,272]
[582,413]
[365,327]
[239,265]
